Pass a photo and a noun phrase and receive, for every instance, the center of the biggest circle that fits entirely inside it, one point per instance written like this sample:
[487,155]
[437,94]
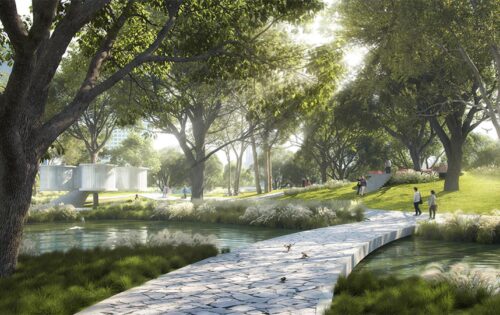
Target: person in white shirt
[417,201]
[388,165]
[432,205]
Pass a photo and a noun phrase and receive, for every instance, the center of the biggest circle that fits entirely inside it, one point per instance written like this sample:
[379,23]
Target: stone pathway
[248,281]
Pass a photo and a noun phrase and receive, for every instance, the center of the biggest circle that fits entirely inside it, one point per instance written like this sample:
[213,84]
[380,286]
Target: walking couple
[432,202]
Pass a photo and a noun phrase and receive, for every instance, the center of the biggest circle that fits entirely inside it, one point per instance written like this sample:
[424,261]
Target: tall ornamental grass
[331,184]
[412,177]
[63,283]
[478,229]
[278,214]
[453,292]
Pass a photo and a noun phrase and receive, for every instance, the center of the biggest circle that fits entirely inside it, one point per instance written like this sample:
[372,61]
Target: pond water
[410,256]
[50,237]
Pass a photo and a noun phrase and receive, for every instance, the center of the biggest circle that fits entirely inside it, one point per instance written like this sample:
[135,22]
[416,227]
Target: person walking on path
[417,201]
[432,205]
[363,185]
[388,166]
[184,191]
[358,186]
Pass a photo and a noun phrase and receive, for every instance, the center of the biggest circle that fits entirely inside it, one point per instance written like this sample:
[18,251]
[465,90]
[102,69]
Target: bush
[411,177]
[365,293]
[331,184]
[302,215]
[64,283]
[61,212]
[485,230]
[130,210]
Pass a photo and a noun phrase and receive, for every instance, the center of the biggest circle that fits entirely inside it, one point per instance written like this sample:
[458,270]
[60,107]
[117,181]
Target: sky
[318,32]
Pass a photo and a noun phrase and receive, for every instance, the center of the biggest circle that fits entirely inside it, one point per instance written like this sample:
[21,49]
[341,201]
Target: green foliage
[57,213]
[485,230]
[137,151]
[411,177]
[481,151]
[64,283]
[137,210]
[174,170]
[365,293]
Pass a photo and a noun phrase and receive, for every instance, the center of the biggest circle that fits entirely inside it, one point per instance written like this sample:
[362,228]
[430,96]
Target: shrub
[302,215]
[61,212]
[411,177]
[480,229]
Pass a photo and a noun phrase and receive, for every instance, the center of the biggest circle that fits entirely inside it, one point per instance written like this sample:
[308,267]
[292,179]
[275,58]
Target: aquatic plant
[459,228]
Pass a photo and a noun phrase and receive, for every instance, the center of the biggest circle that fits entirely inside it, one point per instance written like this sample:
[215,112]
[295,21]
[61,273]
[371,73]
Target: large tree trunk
[415,158]
[228,156]
[16,184]
[268,168]
[197,180]
[454,155]
[323,169]
[94,156]
[239,165]
[256,166]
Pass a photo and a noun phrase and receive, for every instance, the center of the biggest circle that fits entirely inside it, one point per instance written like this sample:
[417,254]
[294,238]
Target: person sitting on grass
[432,205]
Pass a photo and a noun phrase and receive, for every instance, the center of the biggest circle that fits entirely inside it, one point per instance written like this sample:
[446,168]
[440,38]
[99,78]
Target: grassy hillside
[478,194]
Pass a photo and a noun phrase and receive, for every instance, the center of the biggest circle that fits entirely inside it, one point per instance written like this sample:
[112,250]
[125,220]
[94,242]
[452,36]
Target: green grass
[365,293]
[64,283]
[478,194]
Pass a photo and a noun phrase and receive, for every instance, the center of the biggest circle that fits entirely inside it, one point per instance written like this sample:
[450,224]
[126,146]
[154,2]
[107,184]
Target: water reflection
[61,236]
[410,256]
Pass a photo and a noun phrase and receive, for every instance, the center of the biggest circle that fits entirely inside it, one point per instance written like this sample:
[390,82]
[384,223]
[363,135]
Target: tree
[136,150]
[174,170]
[413,40]
[376,101]
[117,35]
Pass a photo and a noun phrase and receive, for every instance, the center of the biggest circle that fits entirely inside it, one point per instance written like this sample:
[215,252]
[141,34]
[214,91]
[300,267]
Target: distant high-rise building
[248,158]
[117,138]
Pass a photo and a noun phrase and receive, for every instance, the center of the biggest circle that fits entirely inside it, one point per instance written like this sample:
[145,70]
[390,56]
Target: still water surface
[61,237]
[411,255]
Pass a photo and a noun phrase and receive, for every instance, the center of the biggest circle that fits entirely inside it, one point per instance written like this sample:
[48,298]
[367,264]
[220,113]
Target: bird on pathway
[288,246]
[304,255]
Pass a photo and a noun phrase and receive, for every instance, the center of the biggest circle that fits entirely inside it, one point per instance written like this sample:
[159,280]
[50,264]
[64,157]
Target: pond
[50,237]
[410,256]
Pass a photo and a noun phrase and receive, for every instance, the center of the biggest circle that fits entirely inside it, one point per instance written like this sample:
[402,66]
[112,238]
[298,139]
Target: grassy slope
[478,194]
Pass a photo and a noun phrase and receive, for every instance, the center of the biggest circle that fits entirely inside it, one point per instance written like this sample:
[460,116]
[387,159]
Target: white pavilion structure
[84,179]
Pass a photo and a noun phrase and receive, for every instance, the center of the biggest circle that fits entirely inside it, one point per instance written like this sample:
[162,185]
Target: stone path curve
[248,281]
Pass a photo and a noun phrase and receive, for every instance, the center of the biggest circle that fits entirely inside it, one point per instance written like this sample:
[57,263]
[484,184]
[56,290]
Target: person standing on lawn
[363,185]
[432,205]
[417,201]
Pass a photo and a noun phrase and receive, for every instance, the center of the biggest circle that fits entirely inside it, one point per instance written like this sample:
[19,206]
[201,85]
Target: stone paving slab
[248,281]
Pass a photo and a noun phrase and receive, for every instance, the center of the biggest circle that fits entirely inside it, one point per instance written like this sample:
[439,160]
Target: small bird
[304,255]
[288,246]
[283,279]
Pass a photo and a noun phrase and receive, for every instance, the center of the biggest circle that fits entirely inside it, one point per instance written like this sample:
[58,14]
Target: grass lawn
[478,194]
[64,283]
